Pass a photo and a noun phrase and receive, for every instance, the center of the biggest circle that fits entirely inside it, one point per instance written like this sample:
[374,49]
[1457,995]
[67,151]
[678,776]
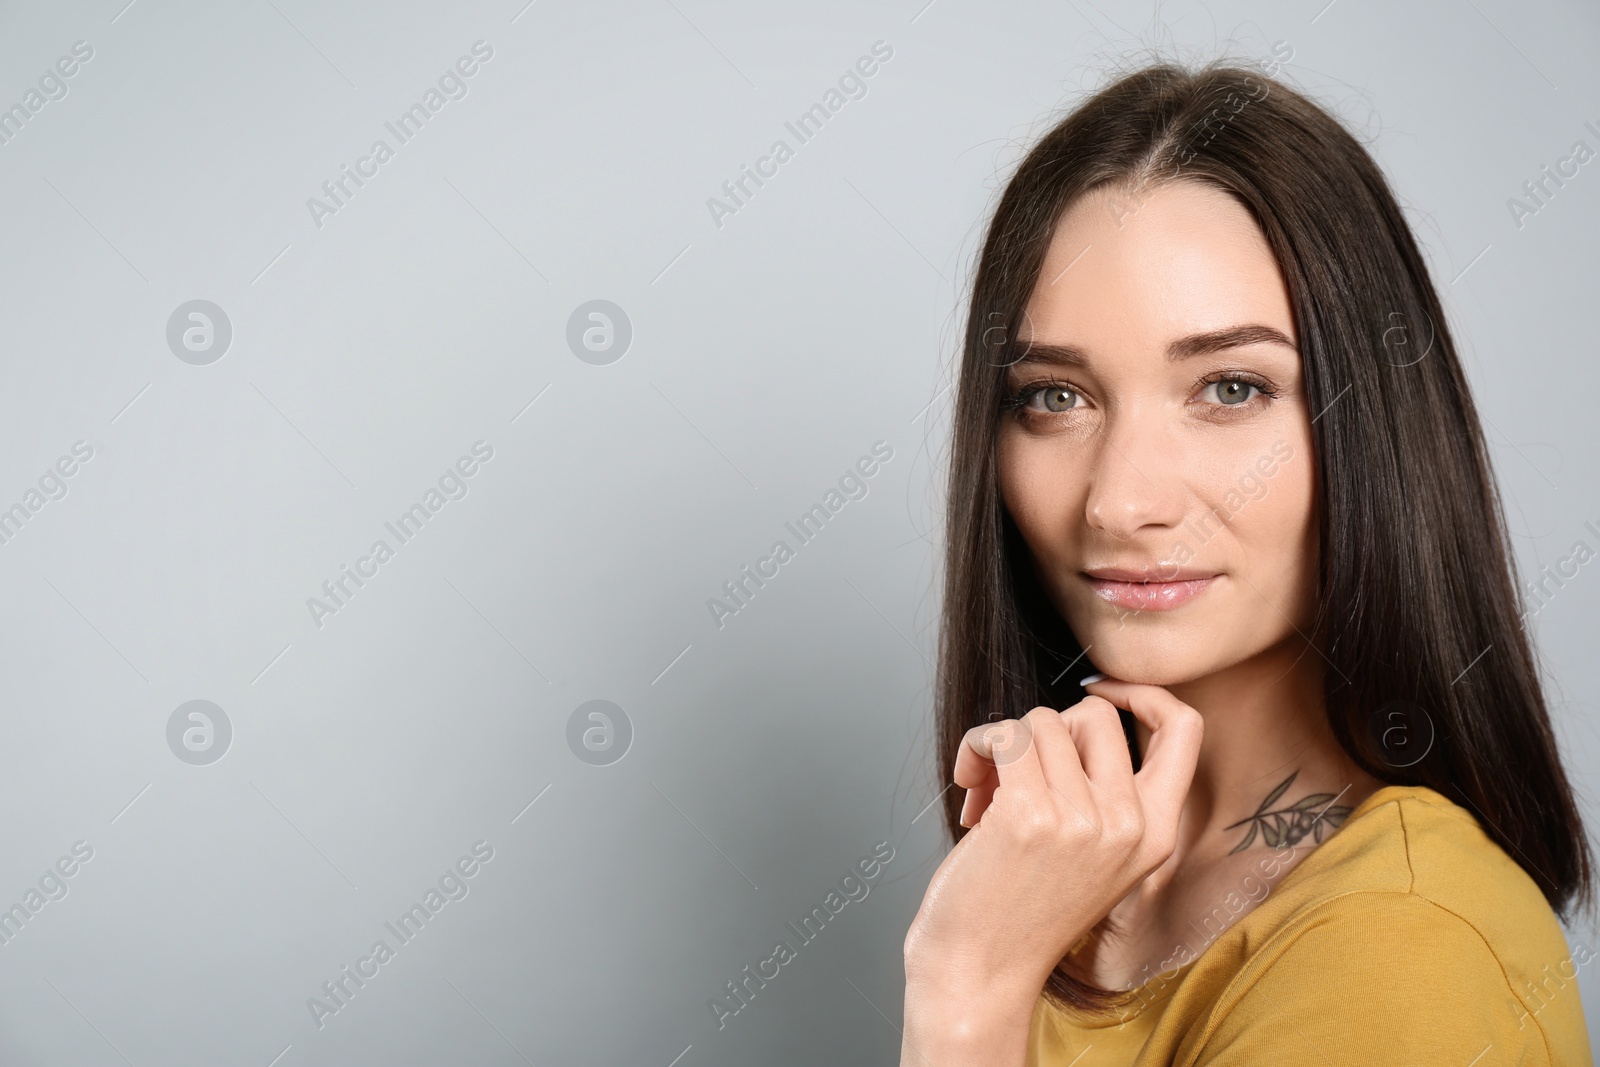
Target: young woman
[1213,446]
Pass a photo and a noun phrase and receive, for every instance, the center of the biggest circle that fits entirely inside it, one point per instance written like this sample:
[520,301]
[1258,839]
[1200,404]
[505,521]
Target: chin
[1152,659]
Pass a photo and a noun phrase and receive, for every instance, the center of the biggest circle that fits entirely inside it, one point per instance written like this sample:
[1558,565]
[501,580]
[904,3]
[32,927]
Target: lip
[1148,589]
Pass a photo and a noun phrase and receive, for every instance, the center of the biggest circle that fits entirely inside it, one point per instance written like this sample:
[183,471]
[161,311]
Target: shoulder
[1416,856]
[1409,936]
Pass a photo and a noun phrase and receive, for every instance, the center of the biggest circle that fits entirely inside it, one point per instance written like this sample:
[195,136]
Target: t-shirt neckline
[1096,1020]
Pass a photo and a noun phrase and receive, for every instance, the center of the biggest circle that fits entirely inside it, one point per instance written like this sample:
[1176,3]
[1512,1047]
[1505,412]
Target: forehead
[1142,266]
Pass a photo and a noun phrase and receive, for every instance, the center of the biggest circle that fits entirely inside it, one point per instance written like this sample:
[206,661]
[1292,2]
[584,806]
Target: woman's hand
[1063,831]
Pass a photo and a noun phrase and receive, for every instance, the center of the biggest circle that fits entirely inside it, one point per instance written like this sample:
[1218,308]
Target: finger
[975,771]
[1176,731]
[1016,762]
[975,757]
[1096,728]
[1102,745]
[1060,761]
[975,803]
[993,744]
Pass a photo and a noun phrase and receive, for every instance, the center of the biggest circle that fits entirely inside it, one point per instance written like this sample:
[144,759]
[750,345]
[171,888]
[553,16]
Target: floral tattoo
[1315,815]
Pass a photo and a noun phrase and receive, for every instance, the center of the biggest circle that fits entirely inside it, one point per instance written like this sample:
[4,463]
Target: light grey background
[768,354]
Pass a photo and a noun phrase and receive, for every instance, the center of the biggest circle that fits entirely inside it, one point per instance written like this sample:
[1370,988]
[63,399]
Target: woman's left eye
[1230,391]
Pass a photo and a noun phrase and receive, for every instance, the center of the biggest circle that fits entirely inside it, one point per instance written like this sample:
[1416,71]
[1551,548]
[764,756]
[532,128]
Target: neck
[1265,721]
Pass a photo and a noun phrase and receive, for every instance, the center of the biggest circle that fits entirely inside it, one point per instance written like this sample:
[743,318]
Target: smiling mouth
[1135,592]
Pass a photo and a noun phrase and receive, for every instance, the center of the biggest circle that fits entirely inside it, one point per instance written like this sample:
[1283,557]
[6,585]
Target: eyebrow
[1195,344]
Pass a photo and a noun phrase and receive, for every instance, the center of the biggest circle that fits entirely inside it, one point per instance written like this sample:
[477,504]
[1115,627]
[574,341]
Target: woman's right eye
[1049,397]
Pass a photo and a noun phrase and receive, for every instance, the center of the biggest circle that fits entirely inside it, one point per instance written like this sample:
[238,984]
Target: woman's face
[1156,454]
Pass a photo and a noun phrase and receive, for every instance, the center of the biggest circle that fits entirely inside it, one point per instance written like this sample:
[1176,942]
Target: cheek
[1278,536]
[1308,515]
[1037,487]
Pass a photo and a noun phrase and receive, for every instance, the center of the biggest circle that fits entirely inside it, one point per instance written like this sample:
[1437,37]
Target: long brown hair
[1418,612]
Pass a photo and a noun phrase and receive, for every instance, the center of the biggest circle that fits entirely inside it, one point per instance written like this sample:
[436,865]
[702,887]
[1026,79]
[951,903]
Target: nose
[1135,479]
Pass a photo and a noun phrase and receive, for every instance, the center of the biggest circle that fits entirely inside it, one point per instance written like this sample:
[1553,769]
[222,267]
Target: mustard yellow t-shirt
[1408,937]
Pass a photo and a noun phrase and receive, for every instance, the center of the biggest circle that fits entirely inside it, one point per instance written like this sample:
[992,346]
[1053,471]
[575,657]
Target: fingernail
[1092,678]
